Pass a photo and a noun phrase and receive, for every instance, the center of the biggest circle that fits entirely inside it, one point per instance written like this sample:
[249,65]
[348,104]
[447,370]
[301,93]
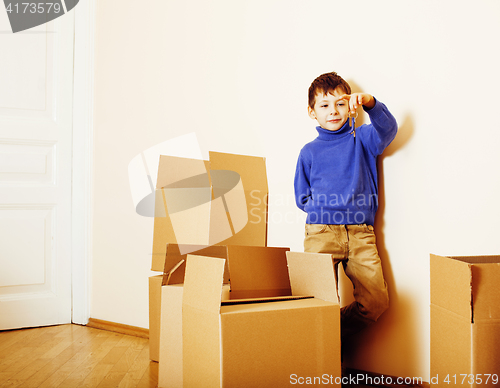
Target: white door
[36,83]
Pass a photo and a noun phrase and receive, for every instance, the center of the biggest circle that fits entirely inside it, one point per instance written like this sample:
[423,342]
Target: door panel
[36,86]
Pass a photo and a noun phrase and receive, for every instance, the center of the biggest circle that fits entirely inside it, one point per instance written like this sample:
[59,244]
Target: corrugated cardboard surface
[266,267]
[467,286]
[451,285]
[486,347]
[258,272]
[173,169]
[252,170]
[200,321]
[201,348]
[253,344]
[465,324]
[450,343]
[203,283]
[264,344]
[174,256]
[170,368]
[486,290]
[163,231]
[460,347]
[240,213]
[312,274]
[191,225]
[154,316]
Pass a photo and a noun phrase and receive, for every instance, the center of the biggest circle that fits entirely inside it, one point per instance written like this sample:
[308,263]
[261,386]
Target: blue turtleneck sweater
[336,175]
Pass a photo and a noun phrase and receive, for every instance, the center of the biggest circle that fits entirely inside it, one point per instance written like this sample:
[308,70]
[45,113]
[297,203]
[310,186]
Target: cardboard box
[268,283]
[218,202]
[260,271]
[258,342]
[465,320]
[262,266]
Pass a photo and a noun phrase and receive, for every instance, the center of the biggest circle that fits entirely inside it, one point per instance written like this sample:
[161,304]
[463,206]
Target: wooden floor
[69,356]
[74,356]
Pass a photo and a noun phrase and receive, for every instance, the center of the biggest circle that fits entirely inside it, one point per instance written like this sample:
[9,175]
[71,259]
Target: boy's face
[330,112]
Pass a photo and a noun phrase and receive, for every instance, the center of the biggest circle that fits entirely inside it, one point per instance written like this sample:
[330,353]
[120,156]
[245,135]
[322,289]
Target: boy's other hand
[357,99]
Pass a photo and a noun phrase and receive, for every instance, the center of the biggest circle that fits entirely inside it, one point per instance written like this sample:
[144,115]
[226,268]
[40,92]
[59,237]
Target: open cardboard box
[254,272]
[262,274]
[465,319]
[251,271]
[260,342]
[222,201]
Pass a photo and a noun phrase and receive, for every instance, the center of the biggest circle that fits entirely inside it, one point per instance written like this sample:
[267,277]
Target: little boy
[336,185]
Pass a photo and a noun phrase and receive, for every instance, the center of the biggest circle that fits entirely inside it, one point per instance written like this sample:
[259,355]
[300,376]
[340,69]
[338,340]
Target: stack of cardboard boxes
[227,310]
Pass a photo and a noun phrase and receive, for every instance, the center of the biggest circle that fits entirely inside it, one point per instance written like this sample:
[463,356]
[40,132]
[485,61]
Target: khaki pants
[355,247]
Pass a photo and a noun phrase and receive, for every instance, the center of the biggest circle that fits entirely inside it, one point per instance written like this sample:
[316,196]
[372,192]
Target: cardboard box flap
[203,283]
[163,231]
[252,169]
[221,202]
[256,272]
[451,285]
[178,252]
[232,302]
[175,255]
[245,204]
[467,285]
[313,274]
[478,259]
[486,290]
[172,169]
[229,213]
[170,277]
[224,181]
[181,199]
[196,181]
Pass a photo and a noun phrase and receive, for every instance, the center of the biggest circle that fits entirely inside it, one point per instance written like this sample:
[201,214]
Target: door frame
[83,135]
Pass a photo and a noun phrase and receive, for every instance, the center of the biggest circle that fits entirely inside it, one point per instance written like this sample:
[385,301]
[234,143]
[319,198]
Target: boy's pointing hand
[357,99]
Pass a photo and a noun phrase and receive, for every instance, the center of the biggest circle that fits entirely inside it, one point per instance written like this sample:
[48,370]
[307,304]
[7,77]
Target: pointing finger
[344,97]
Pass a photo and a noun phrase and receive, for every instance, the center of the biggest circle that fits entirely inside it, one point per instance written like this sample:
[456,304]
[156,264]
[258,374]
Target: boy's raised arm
[383,128]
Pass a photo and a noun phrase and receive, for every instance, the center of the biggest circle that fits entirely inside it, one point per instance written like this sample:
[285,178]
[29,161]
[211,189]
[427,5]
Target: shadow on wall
[370,344]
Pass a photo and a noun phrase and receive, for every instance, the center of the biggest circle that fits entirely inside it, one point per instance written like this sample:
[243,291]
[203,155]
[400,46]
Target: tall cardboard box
[201,204]
[465,320]
[255,342]
[222,201]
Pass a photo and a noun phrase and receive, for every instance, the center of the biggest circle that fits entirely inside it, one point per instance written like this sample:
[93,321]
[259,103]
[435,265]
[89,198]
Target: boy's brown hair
[327,83]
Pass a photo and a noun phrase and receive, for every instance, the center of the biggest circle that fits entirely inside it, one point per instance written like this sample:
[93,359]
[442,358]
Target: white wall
[236,73]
